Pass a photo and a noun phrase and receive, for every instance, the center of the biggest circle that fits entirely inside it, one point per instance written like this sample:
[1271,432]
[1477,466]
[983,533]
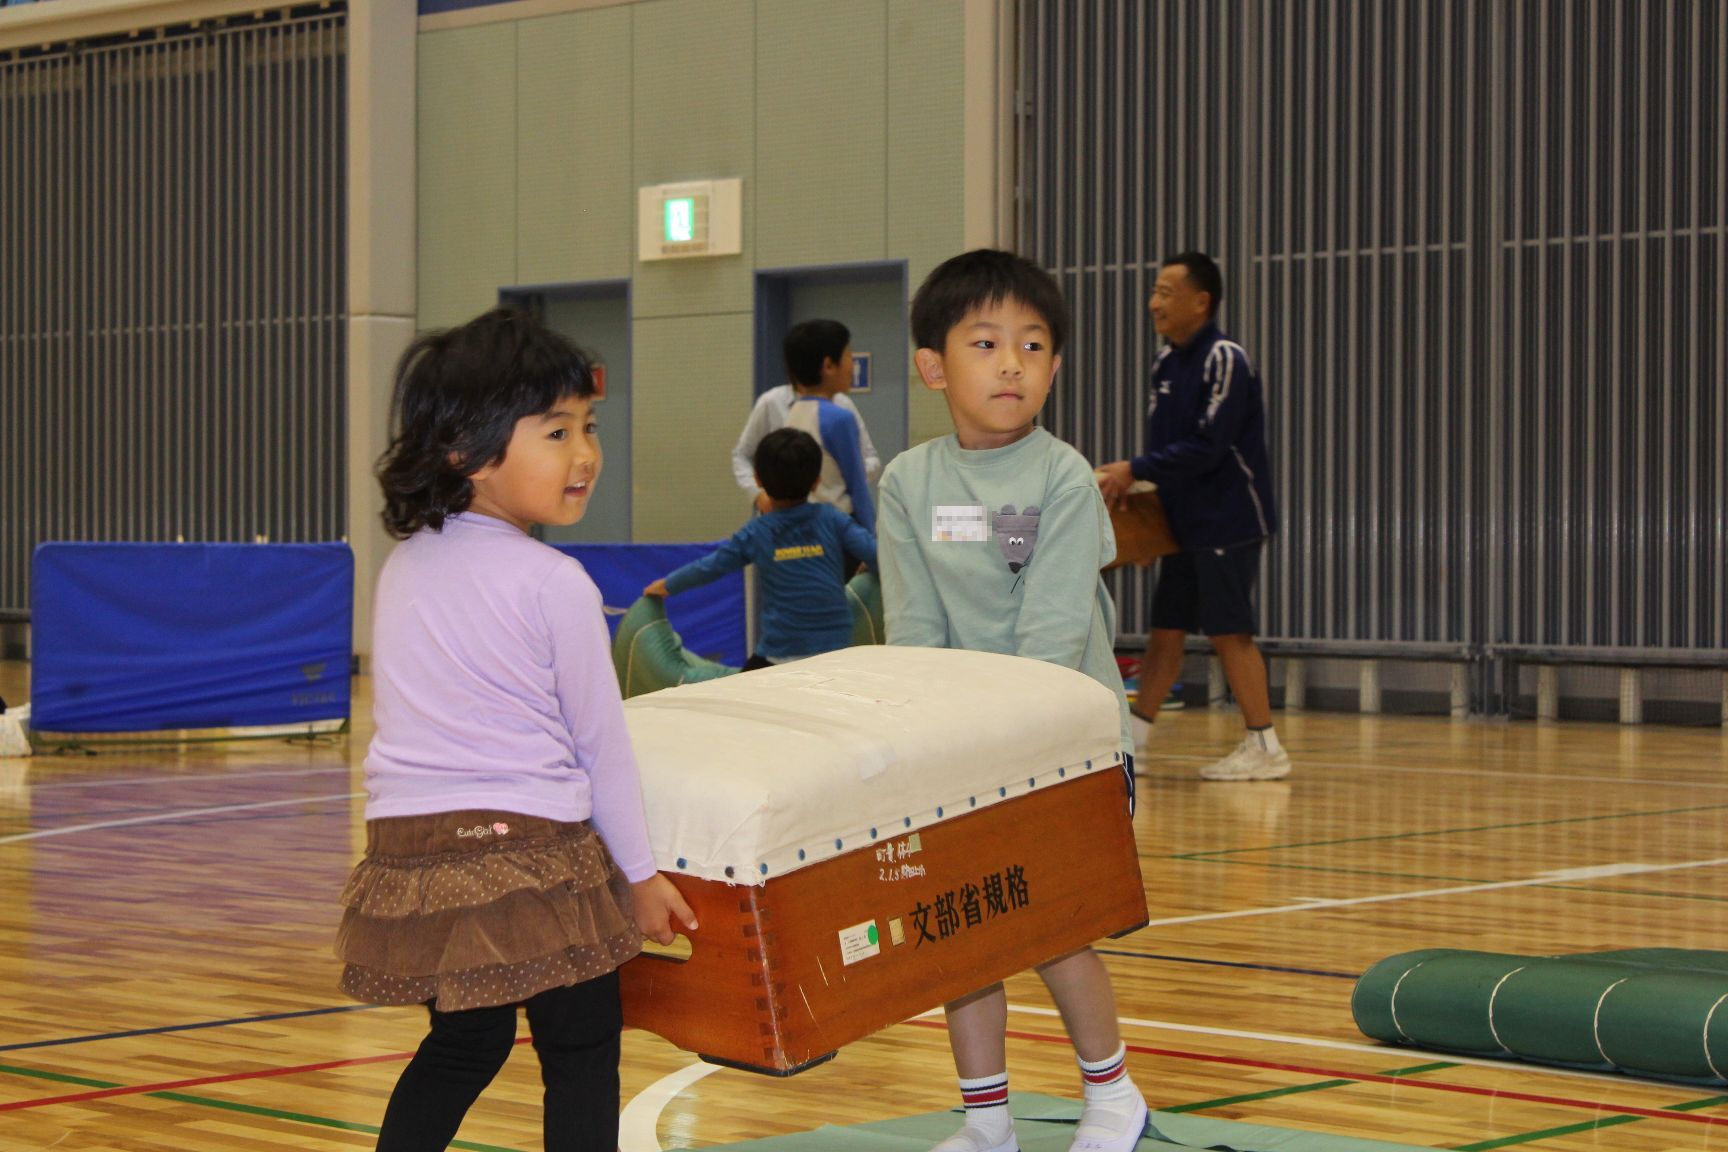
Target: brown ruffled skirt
[473,909]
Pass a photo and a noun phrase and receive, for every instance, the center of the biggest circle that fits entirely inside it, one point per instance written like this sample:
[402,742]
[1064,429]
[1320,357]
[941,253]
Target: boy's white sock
[988,1127]
[1114,1115]
[1268,739]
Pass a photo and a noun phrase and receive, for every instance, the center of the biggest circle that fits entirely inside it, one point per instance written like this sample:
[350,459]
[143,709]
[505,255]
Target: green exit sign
[678,216]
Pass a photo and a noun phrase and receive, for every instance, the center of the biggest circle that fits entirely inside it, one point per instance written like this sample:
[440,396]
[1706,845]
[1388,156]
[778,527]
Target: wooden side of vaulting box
[781,975]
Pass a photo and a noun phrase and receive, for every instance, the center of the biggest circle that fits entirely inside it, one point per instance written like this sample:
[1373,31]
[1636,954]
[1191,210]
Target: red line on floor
[1375,1078]
[198,1082]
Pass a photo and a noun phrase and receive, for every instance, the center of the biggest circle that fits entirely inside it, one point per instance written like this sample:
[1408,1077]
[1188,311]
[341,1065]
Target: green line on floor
[1584,1126]
[58,1077]
[233,1106]
[1295,1089]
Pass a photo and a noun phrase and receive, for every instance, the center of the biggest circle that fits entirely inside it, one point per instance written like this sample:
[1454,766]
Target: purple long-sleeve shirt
[493,688]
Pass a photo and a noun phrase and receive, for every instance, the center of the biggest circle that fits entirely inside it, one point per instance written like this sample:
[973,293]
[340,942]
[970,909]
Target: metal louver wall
[173,290]
[1477,250]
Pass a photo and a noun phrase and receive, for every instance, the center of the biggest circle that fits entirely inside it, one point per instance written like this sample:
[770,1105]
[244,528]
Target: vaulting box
[868,834]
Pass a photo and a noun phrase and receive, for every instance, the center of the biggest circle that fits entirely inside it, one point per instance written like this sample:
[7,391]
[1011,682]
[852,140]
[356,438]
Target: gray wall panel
[172,215]
[1476,249]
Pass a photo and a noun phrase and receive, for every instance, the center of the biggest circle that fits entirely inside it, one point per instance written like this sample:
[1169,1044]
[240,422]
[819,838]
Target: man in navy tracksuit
[1206,452]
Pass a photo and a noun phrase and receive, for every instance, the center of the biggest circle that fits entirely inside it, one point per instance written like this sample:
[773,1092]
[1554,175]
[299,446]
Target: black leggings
[575,1032]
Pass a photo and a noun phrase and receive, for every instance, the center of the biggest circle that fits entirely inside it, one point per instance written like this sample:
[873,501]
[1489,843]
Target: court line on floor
[171,1085]
[186,778]
[1376,1078]
[1584,1126]
[639,1123]
[656,1103]
[196,1082]
[1296,1089]
[1385,875]
[166,817]
[1347,1046]
[1447,831]
[167,1028]
[1217,964]
[237,1106]
[1519,777]
[1559,876]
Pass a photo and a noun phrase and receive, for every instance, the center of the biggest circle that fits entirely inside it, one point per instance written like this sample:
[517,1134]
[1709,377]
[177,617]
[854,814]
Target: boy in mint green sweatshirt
[992,539]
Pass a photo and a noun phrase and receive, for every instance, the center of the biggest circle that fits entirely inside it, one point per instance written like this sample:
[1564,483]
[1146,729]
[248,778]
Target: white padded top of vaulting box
[752,776]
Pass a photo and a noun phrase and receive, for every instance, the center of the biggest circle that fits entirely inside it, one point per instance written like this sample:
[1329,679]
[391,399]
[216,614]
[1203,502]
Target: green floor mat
[1046,1124]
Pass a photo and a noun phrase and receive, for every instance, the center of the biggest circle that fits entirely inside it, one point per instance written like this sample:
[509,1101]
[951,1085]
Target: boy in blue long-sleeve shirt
[800,549]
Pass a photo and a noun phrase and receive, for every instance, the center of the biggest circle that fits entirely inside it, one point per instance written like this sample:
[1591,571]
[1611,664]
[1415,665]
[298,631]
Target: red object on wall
[599,381]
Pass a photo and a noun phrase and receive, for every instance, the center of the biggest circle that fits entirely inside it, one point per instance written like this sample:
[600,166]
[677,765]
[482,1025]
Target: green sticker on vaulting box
[859,942]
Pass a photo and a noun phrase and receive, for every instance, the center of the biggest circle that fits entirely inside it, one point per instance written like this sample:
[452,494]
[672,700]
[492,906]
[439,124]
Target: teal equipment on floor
[1656,1012]
[649,655]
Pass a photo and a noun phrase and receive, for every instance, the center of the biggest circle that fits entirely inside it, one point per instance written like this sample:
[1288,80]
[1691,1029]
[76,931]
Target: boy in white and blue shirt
[819,365]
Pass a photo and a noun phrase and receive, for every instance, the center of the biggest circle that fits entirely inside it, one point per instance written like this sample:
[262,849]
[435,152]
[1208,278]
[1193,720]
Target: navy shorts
[1209,591]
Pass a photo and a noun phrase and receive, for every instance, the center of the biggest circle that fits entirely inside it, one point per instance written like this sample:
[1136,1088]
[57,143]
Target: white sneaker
[1250,761]
[971,1140]
[1111,1136]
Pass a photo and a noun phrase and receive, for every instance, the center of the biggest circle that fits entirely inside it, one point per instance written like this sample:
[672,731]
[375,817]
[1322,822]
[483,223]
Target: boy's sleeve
[733,554]
[872,460]
[840,437]
[743,468]
[1232,393]
[857,542]
[593,710]
[1056,607]
[910,605]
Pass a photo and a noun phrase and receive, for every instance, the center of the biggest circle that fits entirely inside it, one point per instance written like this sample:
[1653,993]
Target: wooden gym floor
[166,915]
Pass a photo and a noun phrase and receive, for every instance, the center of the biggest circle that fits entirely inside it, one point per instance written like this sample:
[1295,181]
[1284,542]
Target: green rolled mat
[1444,1001]
[1546,1012]
[1655,1012]
[1371,1002]
[1668,1024]
[1666,959]
[648,655]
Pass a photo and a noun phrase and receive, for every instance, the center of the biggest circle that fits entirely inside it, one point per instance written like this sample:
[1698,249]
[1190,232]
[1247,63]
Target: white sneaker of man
[1252,760]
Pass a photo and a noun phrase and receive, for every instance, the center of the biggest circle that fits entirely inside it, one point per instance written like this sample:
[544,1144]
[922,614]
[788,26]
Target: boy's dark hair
[787,463]
[978,278]
[808,343]
[458,396]
[1203,270]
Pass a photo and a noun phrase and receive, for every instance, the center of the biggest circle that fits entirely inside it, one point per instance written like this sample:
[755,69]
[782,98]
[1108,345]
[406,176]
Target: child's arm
[841,438]
[910,605]
[858,543]
[732,555]
[1232,392]
[872,458]
[590,705]
[743,470]
[1061,588]
[658,903]
[588,696]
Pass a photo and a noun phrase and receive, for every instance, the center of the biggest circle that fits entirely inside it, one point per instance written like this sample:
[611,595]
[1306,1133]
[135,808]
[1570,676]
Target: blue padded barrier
[153,637]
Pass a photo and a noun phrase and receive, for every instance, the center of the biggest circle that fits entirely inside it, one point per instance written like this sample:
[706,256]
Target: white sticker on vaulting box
[859,942]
